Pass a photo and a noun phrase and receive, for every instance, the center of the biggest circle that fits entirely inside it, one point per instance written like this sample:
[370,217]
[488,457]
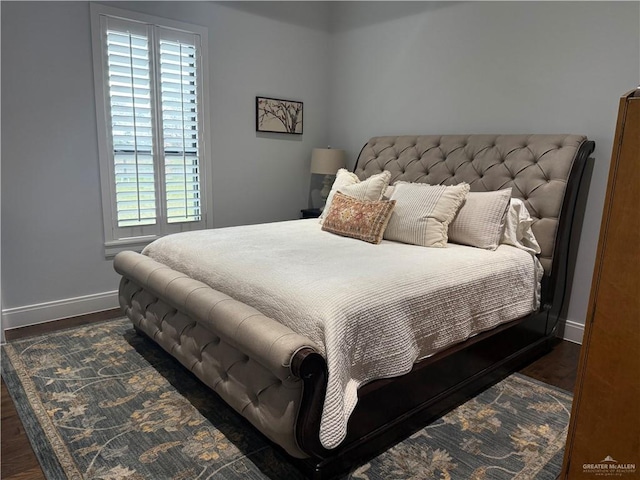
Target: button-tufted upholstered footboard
[242,355]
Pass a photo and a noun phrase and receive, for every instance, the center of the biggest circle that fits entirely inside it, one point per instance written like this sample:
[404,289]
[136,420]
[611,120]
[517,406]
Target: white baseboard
[68,307]
[573,332]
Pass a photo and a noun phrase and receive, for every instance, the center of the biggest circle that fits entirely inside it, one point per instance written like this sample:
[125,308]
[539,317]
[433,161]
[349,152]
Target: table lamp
[327,162]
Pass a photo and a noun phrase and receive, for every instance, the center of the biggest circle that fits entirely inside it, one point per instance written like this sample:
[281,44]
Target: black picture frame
[276,115]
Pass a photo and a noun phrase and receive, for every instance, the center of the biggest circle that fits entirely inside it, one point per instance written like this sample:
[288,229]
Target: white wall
[53,262]
[362,69]
[488,67]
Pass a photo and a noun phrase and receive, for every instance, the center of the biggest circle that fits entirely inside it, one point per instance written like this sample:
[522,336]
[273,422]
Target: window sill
[112,248]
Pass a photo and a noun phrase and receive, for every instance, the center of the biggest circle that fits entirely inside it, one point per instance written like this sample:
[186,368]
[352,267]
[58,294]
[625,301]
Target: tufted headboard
[538,168]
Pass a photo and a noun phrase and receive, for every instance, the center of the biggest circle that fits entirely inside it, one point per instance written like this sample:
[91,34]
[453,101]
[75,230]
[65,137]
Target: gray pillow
[480,220]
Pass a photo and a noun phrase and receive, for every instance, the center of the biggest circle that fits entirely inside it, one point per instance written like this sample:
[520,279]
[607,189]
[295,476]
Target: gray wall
[362,69]
[488,67]
[52,238]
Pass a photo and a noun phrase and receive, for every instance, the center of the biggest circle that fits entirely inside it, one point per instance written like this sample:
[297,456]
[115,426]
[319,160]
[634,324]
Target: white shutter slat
[174,106]
[125,114]
[182,214]
[181,169]
[179,125]
[178,69]
[128,132]
[116,68]
[125,88]
[136,206]
[174,77]
[126,143]
[177,96]
[133,197]
[128,158]
[170,161]
[180,117]
[176,185]
[136,66]
[124,52]
[126,168]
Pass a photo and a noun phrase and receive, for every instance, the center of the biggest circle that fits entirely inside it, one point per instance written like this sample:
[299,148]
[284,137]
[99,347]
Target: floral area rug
[102,402]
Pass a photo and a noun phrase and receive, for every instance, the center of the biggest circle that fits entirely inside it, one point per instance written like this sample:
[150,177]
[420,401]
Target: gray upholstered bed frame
[275,378]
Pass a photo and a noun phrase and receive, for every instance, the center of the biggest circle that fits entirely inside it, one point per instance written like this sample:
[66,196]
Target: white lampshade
[327,161]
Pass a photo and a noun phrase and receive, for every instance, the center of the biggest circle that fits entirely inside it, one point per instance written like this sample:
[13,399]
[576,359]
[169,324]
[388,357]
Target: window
[150,78]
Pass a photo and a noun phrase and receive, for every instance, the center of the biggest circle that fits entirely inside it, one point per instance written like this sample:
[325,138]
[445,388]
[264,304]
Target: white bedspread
[372,310]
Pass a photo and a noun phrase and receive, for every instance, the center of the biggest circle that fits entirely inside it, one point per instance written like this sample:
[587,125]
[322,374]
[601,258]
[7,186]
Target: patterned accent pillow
[348,183]
[480,220]
[423,212]
[361,219]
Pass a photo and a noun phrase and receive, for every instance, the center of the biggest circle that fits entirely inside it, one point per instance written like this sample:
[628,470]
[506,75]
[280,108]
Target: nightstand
[310,212]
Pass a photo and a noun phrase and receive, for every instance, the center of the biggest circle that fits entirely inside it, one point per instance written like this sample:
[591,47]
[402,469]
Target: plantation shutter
[178,58]
[151,78]
[129,87]
[154,123]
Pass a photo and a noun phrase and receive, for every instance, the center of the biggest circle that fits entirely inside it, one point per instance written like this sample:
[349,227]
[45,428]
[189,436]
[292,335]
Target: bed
[257,343]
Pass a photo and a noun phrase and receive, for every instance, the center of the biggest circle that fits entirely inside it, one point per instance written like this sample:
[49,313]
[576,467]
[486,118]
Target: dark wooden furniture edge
[589,369]
[558,283]
[388,411]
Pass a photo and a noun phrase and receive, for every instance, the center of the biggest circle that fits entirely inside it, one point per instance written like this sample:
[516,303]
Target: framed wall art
[279,116]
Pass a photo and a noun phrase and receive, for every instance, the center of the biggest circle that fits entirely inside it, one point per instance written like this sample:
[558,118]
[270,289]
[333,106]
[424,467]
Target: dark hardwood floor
[18,462]
[558,367]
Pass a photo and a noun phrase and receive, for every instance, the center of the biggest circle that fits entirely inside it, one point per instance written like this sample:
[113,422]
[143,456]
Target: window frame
[116,238]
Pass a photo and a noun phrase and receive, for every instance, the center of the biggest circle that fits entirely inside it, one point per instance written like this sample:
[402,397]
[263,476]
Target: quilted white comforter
[372,310]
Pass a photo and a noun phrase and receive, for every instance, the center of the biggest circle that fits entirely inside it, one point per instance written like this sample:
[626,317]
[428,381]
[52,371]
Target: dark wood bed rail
[554,293]
[311,367]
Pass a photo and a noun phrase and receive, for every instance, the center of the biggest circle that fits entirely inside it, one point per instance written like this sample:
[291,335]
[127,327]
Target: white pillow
[348,183]
[517,228]
[480,220]
[423,212]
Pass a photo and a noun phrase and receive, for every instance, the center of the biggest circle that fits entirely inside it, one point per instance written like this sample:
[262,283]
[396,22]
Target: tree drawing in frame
[280,116]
